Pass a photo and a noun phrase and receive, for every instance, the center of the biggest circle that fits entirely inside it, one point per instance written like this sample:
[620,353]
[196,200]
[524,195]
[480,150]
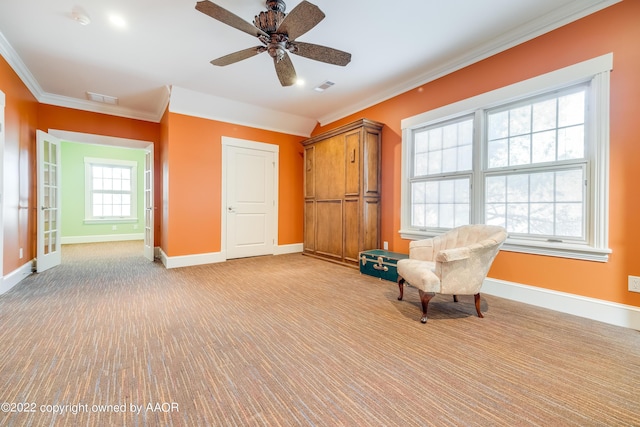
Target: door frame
[89,138]
[256,146]
[2,132]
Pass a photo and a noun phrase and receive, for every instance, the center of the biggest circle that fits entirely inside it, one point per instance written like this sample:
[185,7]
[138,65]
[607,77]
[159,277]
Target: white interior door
[49,173]
[250,182]
[148,205]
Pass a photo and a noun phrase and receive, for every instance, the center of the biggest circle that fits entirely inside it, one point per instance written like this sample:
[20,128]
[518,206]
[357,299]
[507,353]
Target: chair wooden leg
[401,287]
[455,298]
[477,298]
[425,297]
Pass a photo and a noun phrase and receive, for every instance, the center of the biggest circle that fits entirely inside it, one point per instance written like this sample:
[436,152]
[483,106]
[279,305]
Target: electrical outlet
[385,246]
[21,253]
[114,227]
[634,283]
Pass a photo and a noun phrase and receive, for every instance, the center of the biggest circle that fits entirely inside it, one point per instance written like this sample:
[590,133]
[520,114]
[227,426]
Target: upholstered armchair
[454,263]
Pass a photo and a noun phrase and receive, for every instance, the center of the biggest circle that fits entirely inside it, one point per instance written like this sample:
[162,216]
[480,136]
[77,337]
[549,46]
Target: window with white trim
[531,157]
[111,190]
[441,177]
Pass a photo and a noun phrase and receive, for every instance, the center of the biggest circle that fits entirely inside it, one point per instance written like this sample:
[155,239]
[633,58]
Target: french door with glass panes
[48,188]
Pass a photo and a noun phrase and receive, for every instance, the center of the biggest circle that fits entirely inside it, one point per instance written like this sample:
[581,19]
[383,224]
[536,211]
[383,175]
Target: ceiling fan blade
[232,58]
[285,71]
[301,19]
[321,53]
[226,17]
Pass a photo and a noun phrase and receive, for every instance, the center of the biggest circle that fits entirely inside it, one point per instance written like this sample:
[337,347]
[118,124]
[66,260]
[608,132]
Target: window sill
[110,220]
[561,250]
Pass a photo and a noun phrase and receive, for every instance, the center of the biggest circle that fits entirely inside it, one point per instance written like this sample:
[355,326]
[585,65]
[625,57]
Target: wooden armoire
[342,192]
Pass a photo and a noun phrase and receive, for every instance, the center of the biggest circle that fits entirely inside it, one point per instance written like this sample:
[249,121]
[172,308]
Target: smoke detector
[80,16]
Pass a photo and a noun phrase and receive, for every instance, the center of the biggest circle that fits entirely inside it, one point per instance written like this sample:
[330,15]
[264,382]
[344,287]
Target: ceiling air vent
[324,86]
[105,99]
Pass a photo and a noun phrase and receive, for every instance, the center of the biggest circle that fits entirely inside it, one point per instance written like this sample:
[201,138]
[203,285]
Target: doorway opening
[128,215]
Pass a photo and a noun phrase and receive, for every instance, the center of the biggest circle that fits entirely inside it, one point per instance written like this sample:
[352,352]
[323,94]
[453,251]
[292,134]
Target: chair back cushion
[464,256]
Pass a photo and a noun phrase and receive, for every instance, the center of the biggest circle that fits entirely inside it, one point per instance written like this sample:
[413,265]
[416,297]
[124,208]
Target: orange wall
[21,112]
[615,29]
[69,119]
[192,155]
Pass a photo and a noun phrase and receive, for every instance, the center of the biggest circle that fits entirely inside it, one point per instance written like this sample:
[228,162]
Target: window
[535,174]
[441,196]
[531,157]
[110,190]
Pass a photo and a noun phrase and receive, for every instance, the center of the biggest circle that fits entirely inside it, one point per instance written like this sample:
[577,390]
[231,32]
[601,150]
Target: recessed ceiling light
[117,20]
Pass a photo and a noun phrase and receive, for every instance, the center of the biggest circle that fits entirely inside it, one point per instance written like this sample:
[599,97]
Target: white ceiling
[395,46]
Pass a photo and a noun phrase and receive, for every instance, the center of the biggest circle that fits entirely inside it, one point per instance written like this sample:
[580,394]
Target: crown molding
[554,20]
[197,104]
[15,62]
[113,110]
[11,56]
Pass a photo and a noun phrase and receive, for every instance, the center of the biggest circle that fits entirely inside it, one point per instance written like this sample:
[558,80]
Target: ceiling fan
[277,31]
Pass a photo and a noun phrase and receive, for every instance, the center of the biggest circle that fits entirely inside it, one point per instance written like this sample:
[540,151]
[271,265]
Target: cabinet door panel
[352,164]
[329,228]
[371,224]
[351,229]
[329,166]
[371,164]
[310,226]
[309,172]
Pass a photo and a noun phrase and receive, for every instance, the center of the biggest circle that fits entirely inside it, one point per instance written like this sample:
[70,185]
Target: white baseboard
[288,249]
[13,278]
[214,257]
[67,240]
[190,260]
[603,311]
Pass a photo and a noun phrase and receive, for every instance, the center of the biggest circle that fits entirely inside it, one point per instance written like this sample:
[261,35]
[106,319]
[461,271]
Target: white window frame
[88,187]
[595,71]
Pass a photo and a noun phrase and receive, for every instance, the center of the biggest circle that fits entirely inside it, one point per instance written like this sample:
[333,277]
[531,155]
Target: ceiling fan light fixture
[269,21]
[278,32]
[278,5]
[323,86]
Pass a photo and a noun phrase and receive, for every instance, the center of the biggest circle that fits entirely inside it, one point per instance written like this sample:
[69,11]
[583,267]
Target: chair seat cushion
[419,274]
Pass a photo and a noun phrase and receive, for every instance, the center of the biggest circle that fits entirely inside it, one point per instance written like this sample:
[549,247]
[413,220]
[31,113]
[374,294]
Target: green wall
[74,230]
